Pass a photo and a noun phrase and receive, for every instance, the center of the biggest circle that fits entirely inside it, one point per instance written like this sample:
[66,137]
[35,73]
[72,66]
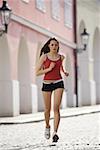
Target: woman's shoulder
[62,57]
[43,57]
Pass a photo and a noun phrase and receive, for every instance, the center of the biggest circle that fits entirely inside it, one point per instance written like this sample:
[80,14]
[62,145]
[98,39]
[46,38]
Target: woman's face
[54,45]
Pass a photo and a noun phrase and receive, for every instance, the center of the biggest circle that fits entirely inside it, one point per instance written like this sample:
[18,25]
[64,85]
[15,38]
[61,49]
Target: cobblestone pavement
[76,133]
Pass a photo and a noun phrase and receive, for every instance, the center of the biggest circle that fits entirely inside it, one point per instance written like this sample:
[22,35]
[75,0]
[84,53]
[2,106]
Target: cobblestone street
[76,133]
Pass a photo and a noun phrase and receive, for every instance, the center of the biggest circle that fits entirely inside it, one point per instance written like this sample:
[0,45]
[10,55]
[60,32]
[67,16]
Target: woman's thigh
[47,99]
[58,97]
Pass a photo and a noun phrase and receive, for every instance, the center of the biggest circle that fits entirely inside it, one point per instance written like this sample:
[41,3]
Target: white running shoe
[47,133]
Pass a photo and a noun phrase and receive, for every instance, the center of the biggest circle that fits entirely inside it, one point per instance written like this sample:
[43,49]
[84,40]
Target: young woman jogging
[50,64]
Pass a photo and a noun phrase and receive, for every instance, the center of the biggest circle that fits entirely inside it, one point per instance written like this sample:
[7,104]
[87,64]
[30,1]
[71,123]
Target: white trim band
[56,81]
[42,30]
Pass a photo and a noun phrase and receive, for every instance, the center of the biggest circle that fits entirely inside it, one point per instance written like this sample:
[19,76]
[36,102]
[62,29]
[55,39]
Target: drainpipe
[75,53]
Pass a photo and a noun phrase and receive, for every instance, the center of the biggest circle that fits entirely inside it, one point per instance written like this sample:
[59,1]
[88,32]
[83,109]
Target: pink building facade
[33,22]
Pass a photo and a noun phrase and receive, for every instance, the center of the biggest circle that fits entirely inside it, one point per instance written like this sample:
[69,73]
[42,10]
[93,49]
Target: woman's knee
[56,109]
[47,111]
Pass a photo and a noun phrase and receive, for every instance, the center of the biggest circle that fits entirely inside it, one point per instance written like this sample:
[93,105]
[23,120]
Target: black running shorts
[52,86]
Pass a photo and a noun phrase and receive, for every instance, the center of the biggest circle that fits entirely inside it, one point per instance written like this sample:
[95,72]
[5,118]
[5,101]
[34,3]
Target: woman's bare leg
[57,101]
[47,104]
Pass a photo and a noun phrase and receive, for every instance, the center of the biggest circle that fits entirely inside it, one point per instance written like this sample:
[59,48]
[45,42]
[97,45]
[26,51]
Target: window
[26,1]
[56,9]
[40,4]
[68,13]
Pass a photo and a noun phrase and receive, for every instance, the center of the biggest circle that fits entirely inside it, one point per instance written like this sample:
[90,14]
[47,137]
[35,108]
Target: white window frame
[40,4]
[55,5]
[68,13]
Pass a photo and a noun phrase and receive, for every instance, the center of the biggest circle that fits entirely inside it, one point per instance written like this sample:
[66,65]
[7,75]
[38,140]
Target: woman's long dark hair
[45,49]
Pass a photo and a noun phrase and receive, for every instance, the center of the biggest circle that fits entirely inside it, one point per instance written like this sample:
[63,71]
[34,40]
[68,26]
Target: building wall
[88,14]
[29,12]
[29,29]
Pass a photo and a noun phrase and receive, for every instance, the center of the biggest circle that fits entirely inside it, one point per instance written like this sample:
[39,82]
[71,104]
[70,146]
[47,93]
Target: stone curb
[39,116]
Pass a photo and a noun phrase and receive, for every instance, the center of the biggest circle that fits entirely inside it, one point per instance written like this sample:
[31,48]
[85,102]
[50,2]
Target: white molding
[42,30]
[9,98]
[34,97]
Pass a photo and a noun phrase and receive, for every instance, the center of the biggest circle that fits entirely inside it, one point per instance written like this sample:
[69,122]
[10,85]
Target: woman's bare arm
[62,69]
[39,68]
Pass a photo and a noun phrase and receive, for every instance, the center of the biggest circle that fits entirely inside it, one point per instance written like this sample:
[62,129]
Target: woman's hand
[52,65]
[66,74]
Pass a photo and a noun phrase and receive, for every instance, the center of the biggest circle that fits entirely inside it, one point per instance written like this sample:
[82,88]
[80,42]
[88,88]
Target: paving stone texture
[76,133]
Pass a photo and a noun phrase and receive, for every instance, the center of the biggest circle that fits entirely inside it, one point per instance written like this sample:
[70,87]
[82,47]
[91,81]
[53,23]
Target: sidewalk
[39,116]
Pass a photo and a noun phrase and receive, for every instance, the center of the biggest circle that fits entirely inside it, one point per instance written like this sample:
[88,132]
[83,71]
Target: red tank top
[54,74]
